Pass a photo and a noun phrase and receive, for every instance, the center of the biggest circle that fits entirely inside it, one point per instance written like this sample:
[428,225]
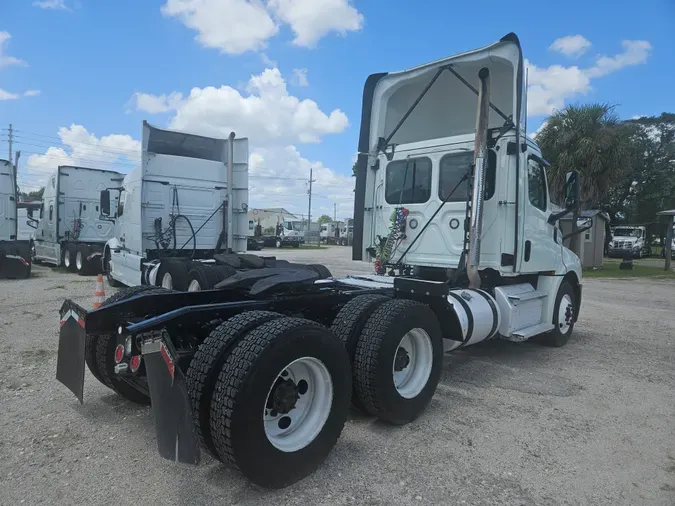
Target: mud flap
[70,358]
[171,405]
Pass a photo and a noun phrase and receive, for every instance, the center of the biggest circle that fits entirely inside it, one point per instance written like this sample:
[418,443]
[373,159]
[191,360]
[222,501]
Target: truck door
[539,250]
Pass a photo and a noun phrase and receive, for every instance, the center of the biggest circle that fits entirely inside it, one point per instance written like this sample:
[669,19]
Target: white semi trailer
[261,372]
[186,203]
[70,231]
[15,256]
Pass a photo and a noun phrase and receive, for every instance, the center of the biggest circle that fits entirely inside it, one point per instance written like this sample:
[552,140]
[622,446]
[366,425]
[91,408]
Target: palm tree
[591,139]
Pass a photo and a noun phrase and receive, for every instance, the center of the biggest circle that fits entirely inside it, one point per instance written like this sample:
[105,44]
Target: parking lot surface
[517,424]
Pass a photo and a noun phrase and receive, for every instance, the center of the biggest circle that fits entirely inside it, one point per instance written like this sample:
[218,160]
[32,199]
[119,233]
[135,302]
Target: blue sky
[101,67]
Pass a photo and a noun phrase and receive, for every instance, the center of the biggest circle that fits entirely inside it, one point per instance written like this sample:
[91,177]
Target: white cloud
[79,147]
[266,112]
[290,190]
[6,61]
[31,93]
[267,61]
[232,26]
[155,104]
[274,121]
[572,45]
[311,20]
[238,26]
[635,52]
[300,77]
[550,87]
[52,4]
[6,95]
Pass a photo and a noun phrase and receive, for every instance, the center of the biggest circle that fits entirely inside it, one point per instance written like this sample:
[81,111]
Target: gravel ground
[591,423]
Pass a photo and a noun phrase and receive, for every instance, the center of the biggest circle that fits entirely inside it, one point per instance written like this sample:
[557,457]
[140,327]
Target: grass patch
[611,270]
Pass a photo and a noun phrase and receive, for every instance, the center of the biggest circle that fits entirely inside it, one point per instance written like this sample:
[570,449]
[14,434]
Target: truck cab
[15,255]
[629,240]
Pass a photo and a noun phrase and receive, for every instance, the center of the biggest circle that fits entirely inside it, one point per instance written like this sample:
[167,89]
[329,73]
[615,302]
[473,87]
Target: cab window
[536,185]
[408,181]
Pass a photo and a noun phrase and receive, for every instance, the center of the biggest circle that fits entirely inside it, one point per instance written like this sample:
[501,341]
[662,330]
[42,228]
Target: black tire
[221,272]
[96,346]
[350,320]
[321,270]
[198,277]
[243,385]
[178,270]
[375,353]
[83,251]
[208,361]
[556,338]
[69,257]
[105,267]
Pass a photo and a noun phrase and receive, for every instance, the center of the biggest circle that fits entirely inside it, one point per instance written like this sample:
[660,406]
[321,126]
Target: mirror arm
[577,231]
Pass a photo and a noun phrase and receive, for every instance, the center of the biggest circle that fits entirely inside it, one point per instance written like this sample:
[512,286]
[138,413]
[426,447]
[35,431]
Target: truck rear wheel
[82,265]
[281,401]
[69,252]
[100,351]
[173,275]
[208,361]
[398,361]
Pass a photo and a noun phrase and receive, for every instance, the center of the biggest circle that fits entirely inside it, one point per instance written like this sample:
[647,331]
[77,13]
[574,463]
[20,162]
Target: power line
[24,132]
[88,150]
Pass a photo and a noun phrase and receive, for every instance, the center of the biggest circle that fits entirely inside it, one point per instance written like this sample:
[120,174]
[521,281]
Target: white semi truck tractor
[15,255]
[70,231]
[186,203]
[452,204]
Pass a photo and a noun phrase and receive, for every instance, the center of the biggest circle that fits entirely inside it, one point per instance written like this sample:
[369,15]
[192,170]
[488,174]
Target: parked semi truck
[629,240]
[277,227]
[330,232]
[260,371]
[15,257]
[70,231]
[185,204]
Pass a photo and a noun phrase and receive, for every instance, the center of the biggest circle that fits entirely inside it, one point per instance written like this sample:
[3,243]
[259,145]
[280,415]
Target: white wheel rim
[78,261]
[194,286]
[278,244]
[565,314]
[167,281]
[412,363]
[66,259]
[297,428]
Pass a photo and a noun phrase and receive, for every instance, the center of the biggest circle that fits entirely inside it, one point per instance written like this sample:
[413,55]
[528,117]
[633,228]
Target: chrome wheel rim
[412,363]
[298,404]
[167,281]
[194,286]
[565,314]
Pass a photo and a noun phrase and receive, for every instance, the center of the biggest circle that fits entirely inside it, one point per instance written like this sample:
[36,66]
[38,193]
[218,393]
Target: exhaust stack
[230,191]
[480,159]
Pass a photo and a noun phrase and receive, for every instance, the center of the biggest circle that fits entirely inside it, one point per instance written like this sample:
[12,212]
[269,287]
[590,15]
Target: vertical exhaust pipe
[230,191]
[480,159]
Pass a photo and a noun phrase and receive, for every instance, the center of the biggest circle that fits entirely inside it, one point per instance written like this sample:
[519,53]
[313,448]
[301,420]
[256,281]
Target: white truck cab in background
[629,240]
[70,231]
[179,207]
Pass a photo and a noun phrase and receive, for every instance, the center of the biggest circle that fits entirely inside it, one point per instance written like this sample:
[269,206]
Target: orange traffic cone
[99,294]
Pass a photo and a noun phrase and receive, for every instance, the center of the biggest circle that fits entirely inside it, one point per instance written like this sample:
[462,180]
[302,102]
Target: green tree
[591,139]
[324,218]
[354,169]
[34,195]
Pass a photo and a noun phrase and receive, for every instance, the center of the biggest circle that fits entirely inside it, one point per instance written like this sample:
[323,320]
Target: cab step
[534,330]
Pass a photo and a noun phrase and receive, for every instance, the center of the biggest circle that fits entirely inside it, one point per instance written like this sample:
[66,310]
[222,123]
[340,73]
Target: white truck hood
[449,106]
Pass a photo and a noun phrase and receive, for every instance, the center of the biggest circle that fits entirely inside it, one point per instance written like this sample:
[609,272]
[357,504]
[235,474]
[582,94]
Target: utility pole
[309,211]
[334,212]
[10,143]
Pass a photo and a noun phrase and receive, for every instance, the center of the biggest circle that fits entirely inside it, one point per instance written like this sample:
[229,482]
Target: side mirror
[572,190]
[105,203]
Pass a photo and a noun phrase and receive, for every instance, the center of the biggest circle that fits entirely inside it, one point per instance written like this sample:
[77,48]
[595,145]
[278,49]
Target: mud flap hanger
[383,144]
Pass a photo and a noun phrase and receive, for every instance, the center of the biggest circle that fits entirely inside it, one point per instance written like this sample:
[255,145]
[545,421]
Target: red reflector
[135,363]
[119,353]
